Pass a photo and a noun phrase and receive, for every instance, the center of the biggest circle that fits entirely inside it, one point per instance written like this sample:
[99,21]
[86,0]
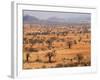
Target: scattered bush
[38,60]
[43,66]
[59,65]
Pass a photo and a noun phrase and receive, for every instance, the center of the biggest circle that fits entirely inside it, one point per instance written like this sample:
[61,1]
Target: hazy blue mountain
[30,19]
[79,20]
[55,20]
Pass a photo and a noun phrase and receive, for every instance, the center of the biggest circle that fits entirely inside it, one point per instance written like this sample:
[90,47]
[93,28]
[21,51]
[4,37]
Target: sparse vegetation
[62,45]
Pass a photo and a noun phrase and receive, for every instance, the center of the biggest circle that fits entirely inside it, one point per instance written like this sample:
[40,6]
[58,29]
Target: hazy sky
[64,15]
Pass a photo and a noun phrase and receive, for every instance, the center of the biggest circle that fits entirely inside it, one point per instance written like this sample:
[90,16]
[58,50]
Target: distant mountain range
[29,19]
[55,20]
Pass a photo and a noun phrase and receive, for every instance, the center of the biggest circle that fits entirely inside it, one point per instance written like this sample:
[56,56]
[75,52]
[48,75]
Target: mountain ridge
[33,19]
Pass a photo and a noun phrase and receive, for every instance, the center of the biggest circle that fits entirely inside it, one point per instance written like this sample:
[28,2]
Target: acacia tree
[75,42]
[29,51]
[27,57]
[50,55]
[64,60]
[69,44]
[79,58]
[49,42]
[80,38]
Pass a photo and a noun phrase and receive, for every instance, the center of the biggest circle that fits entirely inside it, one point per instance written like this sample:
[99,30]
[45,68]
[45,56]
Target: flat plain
[56,45]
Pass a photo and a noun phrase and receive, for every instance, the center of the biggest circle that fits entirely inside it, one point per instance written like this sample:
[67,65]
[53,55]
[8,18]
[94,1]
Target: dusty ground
[63,55]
